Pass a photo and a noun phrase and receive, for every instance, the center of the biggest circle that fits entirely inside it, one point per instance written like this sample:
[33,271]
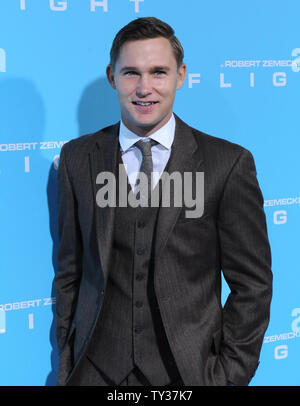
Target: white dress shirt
[132,156]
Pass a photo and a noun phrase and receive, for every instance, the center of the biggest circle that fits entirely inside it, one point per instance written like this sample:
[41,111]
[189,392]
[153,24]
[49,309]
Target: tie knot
[145,146]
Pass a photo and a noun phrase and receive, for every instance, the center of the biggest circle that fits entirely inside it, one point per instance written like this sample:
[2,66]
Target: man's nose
[144,86]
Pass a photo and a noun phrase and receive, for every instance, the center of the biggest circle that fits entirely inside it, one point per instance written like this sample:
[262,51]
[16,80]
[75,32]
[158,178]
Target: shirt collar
[165,135]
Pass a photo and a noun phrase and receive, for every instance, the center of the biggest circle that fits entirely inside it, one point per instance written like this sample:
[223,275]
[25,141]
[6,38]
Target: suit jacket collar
[186,156]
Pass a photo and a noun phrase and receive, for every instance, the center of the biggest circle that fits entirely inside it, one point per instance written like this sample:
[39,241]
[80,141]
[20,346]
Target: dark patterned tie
[146,166]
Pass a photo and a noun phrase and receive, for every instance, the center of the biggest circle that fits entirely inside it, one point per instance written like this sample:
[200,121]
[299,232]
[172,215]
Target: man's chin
[146,125]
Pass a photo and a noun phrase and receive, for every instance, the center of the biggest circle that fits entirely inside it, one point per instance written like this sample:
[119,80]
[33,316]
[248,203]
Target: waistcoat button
[139,303]
[140,251]
[138,329]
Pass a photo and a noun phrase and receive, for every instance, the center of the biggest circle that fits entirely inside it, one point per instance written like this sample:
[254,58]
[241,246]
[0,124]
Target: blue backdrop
[243,83]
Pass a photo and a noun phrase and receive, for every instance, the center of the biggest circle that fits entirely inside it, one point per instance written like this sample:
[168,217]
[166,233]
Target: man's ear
[110,76]
[181,75]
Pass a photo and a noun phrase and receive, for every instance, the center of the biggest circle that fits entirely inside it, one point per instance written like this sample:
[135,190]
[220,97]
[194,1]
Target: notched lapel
[103,158]
[185,157]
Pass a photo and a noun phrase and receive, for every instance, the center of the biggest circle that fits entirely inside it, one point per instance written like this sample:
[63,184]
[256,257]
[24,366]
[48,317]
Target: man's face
[146,78]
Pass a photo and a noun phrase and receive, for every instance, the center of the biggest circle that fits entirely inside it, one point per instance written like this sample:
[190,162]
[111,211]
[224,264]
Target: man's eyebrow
[153,69]
[127,68]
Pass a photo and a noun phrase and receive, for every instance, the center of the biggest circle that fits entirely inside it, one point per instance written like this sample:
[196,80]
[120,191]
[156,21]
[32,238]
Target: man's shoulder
[218,143]
[86,142]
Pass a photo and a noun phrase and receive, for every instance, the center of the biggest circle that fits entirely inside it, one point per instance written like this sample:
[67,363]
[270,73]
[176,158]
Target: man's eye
[159,72]
[130,73]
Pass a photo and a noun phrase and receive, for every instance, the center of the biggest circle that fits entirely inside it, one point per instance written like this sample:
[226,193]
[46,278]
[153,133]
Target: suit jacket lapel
[185,157]
[104,158]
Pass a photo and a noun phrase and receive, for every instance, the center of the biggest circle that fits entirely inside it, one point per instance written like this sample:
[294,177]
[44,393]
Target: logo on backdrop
[33,146]
[2,60]
[62,5]
[278,78]
[296,321]
[282,351]
[6,308]
[296,61]
[280,216]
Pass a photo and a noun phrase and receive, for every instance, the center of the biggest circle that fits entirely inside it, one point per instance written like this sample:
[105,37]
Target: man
[139,288]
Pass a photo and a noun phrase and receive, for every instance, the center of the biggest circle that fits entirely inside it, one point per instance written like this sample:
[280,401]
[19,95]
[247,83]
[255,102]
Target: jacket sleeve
[69,270]
[246,266]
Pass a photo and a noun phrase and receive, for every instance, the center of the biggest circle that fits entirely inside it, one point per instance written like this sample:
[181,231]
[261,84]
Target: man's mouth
[140,103]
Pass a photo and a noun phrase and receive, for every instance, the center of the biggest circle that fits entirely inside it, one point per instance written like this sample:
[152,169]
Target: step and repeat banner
[243,85]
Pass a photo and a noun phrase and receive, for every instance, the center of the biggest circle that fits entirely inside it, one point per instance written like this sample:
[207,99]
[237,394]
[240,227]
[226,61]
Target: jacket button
[139,303]
[139,276]
[140,251]
[138,329]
